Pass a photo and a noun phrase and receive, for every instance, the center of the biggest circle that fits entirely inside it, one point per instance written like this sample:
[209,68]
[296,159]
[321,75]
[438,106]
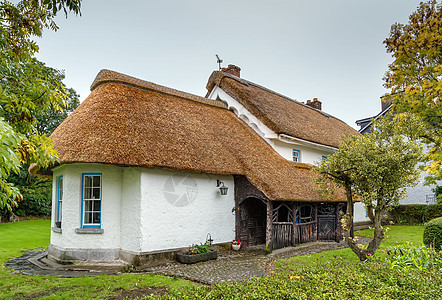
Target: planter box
[185,258]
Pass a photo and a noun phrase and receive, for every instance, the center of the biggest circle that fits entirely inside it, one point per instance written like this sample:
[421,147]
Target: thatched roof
[280,113]
[129,122]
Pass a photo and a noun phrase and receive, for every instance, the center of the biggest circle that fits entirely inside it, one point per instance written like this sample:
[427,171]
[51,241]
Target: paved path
[228,267]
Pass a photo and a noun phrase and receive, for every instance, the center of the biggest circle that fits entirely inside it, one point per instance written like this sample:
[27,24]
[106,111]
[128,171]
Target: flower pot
[236,247]
[186,258]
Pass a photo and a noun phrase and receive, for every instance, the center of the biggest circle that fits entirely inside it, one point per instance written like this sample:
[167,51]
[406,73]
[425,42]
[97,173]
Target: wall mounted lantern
[223,189]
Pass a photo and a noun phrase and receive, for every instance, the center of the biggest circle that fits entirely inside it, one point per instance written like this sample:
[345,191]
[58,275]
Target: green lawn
[328,275]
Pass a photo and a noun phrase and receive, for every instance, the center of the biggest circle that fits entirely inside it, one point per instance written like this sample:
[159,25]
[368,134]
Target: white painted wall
[308,154]
[179,209]
[359,214]
[145,209]
[242,113]
[131,235]
[418,193]
[110,207]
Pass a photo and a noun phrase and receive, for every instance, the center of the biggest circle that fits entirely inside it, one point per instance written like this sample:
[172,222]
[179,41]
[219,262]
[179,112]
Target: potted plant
[236,245]
[197,253]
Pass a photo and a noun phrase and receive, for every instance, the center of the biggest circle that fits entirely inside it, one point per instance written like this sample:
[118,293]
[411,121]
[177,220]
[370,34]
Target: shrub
[408,256]
[438,192]
[433,234]
[415,213]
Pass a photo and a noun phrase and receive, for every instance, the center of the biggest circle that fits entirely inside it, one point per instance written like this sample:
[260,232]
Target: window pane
[88,218]
[96,193]
[60,210]
[88,193]
[97,205]
[87,181]
[96,217]
[96,181]
[88,205]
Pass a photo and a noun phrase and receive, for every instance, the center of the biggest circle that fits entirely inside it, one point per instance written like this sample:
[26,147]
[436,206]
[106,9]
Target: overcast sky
[326,49]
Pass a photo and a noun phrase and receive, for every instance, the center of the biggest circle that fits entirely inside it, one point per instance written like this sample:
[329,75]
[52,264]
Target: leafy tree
[27,89]
[374,168]
[36,192]
[415,76]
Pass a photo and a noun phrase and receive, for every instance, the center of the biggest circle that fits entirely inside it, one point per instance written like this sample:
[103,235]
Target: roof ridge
[109,76]
[218,76]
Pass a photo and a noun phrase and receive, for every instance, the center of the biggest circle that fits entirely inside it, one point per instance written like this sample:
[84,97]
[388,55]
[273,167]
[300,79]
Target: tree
[374,168]
[415,75]
[26,90]
[36,192]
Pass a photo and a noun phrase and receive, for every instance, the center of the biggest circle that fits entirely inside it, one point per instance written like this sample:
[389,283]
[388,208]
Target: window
[324,157]
[296,155]
[59,199]
[91,200]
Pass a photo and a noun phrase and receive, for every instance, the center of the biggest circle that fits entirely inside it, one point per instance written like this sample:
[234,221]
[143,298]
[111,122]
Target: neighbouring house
[145,170]
[419,194]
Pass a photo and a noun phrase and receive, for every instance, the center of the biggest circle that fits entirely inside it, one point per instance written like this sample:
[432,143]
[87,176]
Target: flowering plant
[237,242]
[199,249]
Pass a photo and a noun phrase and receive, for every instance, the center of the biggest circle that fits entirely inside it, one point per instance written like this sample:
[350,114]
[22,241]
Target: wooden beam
[269,229]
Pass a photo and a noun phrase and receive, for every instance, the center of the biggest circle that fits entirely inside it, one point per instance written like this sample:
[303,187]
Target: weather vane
[218,61]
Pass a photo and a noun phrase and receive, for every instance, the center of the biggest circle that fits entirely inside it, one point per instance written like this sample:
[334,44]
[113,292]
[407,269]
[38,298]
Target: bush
[438,192]
[433,234]
[408,256]
[415,213]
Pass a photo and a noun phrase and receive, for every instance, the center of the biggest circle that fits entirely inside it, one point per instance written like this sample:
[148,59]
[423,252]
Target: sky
[304,49]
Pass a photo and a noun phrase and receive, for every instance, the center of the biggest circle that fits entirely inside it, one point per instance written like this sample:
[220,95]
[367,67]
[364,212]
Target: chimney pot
[315,103]
[233,70]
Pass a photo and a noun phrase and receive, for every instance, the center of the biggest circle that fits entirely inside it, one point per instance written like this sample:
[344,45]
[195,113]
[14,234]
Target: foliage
[415,75]
[408,256]
[36,192]
[438,193]
[27,88]
[433,234]
[326,280]
[414,213]
[199,249]
[375,168]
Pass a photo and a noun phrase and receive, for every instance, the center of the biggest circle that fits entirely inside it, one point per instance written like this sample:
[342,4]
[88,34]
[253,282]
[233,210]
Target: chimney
[315,103]
[233,70]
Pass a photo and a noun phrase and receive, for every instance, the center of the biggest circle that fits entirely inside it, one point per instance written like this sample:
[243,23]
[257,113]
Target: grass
[396,235]
[327,275]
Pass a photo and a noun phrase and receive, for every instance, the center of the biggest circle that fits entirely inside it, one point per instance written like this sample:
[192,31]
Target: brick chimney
[232,69]
[315,103]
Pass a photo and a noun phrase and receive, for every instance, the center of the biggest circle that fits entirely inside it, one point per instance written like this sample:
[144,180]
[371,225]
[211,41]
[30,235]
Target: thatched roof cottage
[144,168]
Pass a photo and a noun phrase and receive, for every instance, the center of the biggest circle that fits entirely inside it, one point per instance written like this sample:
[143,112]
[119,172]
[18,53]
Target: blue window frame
[59,199]
[296,155]
[91,200]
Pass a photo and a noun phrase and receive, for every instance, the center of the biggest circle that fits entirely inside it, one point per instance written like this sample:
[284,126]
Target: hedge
[415,213]
[433,234]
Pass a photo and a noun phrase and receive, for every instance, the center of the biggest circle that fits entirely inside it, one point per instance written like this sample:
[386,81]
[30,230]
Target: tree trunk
[378,233]
[347,226]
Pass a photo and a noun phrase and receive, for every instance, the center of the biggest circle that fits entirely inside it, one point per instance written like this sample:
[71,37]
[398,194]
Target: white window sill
[56,229]
[89,230]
